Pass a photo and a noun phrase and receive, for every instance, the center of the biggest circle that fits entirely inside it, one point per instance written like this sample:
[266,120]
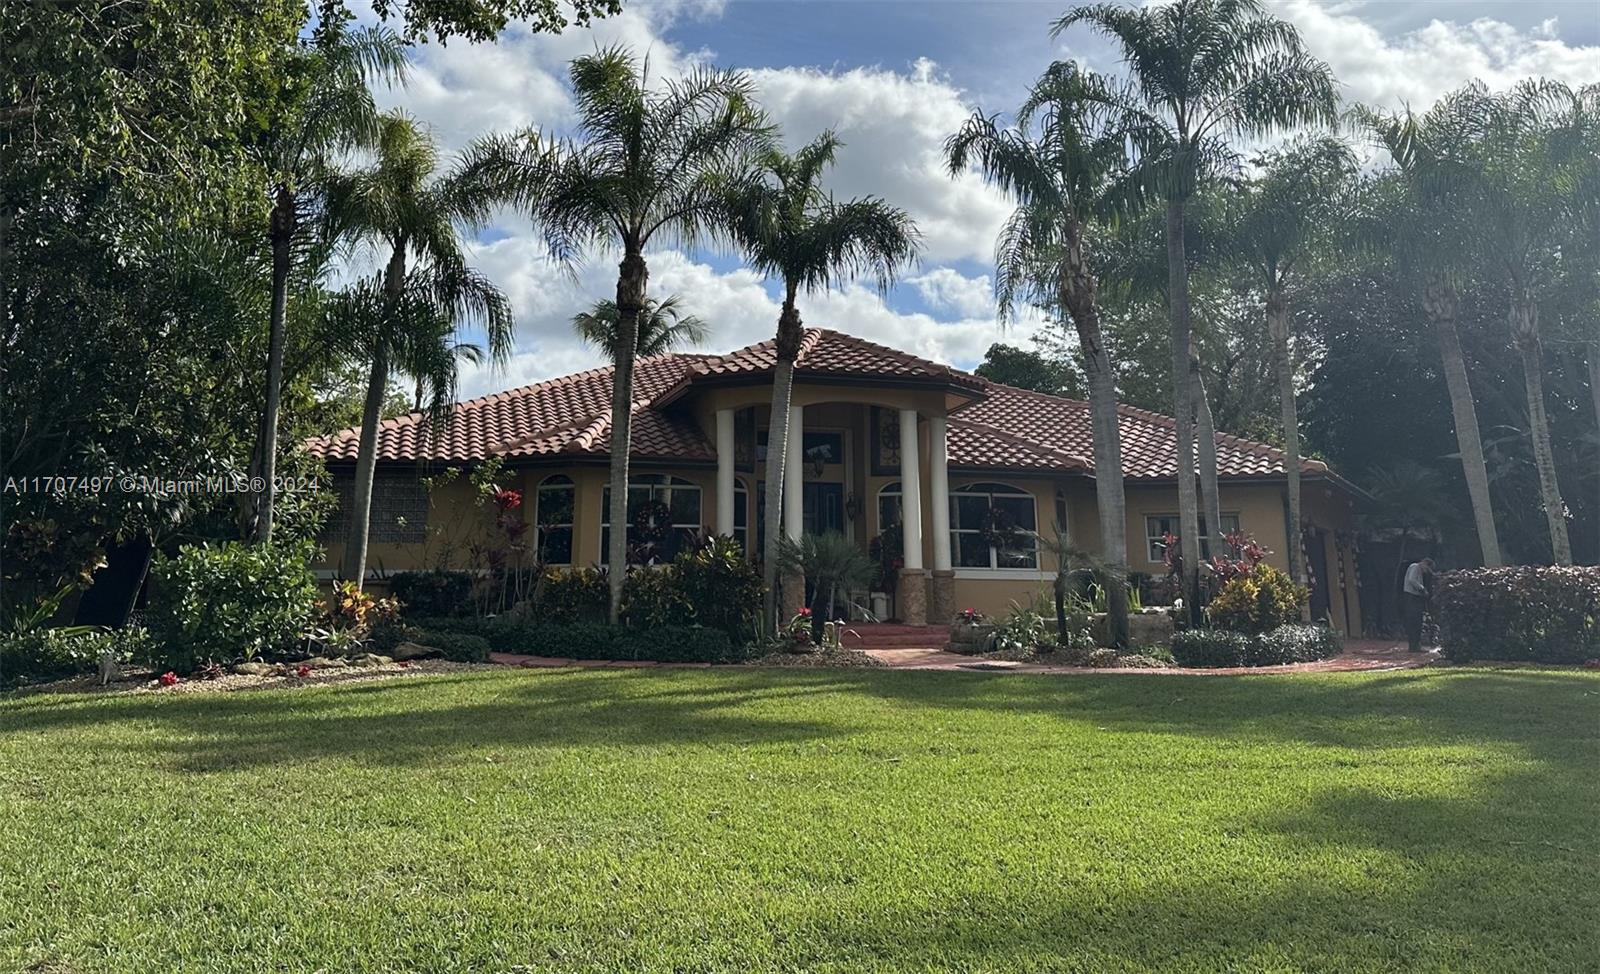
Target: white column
[939,492]
[794,474]
[910,489]
[725,446]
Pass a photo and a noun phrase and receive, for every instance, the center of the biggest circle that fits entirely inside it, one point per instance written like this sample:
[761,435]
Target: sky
[894,78]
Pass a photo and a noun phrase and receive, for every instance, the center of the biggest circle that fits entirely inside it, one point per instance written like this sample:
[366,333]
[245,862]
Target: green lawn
[847,820]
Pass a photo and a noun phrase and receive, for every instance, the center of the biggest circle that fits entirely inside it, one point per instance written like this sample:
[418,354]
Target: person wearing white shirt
[1418,578]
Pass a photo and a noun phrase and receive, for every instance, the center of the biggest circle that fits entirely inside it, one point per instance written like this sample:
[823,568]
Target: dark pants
[1415,605]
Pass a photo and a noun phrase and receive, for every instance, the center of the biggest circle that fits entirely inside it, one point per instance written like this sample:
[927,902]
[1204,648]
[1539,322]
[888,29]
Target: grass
[757,820]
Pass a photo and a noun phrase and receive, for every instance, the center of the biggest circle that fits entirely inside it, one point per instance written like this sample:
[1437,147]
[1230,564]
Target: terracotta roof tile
[1003,428]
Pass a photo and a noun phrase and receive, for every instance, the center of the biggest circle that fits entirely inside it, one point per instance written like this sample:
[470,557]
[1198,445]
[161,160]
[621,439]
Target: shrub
[1285,644]
[234,601]
[667,644]
[1209,647]
[1544,615]
[1257,602]
[723,586]
[459,647]
[567,595]
[42,655]
[1023,628]
[654,597]
[437,592]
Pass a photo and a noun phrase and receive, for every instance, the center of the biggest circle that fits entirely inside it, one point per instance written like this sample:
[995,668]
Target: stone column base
[942,597]
[911,596]
[791,596]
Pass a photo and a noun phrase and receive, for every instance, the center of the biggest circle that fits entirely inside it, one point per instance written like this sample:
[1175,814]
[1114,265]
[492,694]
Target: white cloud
[946,288]
[1419,66]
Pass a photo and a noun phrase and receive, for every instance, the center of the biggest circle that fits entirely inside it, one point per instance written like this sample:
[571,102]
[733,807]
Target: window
[741,515]
[976,510]
[682,500]
[888,506]
[552,514]
[825,446]
[1157,526]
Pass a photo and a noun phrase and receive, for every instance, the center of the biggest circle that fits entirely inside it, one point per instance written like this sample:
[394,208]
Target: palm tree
[402,202]
[649,163]
[1283,216]
[1419,217]
[663,327]
[834,565]
[789,228]
[326,109]
[1203,72]
[1531,179]
[1065,178]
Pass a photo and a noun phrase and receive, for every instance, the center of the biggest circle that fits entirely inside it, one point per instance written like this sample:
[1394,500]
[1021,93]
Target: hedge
[592,640]
[1538,614]
[459,647]
[436,592]
[42,655]
[1285,644]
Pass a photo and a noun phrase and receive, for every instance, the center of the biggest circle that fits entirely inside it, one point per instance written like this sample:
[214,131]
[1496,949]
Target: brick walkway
[1358,655]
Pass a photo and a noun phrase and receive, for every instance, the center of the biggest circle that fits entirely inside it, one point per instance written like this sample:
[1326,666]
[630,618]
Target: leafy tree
[325,108]
[1069,174]
[1203,72]
[1029,369]
[789,228]
[663,327]
[475,20]
[408,317]
[650,163]
[1275,235]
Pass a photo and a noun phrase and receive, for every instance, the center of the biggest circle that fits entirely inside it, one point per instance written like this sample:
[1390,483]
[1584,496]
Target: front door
[823,508]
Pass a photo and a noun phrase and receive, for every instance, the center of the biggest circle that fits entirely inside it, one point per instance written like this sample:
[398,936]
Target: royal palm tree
[1418,215]
[792,230]
[426,292]
[1067,171]
[325,109]
[1204,72]
[1282,218]
[663,327]
[1532,178]
[650,163]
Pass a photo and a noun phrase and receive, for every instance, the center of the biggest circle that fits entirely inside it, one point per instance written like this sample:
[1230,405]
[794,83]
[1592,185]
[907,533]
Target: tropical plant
[1203,72]
[663,327]
[1281,218]
[410,317]
[230,602]
[1065,178]
[1260,600]
[833,565]
[324,109]
[791,229]
[650,163]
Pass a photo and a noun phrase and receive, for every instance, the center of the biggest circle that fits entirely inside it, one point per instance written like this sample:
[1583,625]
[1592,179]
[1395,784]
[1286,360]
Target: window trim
[551,484]
[992,489]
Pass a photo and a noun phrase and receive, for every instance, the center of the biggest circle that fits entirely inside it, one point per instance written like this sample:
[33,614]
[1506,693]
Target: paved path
[1358,655]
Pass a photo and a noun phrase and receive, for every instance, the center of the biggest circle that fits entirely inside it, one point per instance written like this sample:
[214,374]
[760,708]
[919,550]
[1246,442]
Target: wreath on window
[999,529]
[652,522]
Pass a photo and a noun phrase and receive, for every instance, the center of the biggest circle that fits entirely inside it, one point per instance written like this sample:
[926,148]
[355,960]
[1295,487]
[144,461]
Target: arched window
[993,526]
[553,510]
[682,500]
[889,506]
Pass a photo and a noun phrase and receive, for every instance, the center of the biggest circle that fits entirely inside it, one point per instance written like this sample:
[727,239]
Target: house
[987,457]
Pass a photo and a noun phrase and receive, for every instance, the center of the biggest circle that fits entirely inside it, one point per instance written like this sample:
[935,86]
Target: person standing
[1418,585]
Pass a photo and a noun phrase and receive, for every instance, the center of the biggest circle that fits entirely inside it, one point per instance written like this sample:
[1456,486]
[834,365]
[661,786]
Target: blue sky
[894,77]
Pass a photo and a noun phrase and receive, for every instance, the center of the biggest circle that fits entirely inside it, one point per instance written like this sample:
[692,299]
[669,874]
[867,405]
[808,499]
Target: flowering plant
[971,617]
[169,679]
[798,631]
[303,671]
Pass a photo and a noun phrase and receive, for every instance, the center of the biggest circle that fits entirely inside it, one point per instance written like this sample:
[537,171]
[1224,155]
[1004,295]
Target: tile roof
[1003,428]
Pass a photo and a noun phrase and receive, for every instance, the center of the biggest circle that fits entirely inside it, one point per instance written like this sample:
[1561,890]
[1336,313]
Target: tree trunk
[1525,332]
[632,278]
[355,554]
[1205,440]
[1078,296]
[1439,300]
[1183,420]
[787,349]
[282,232]
[1278,328]
[1594,393]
